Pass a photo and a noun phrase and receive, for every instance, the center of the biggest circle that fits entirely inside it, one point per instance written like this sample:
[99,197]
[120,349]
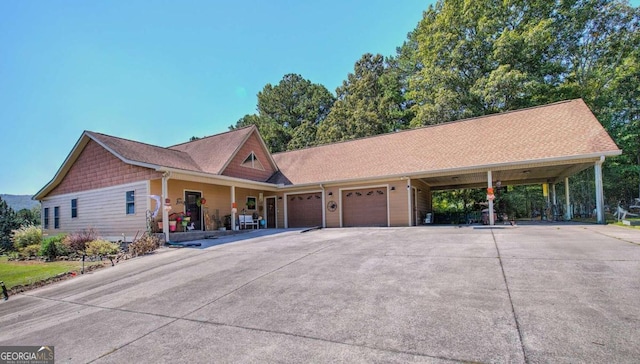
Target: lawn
[23,273]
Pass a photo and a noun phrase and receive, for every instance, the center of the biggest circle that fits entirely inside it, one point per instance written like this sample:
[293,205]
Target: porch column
[409,209]
[490,185]
[599,191]
[233,214]
[553,194]
[567,200]
[165,212]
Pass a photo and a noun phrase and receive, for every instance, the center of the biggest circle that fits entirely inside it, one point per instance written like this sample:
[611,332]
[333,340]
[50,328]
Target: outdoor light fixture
[526,171]
[330,193]
[393,188]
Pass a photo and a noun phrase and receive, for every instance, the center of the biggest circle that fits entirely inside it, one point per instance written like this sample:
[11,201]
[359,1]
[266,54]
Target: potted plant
[227,222]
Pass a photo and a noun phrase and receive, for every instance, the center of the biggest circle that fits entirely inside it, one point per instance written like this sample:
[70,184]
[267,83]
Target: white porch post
[567,200]
[409,201]
[165,212]
[489,185]
[553,194]
[599,191]
[233,214]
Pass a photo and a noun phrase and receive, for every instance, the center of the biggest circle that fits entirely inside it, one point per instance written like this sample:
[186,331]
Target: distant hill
[19,202]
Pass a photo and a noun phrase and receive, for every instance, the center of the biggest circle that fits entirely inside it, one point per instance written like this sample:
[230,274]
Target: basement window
[252,162]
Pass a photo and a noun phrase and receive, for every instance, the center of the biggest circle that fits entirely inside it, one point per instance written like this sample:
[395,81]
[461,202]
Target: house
[385,180]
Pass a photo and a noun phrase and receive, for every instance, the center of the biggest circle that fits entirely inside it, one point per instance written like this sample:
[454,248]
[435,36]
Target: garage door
[304,210]
[365,207]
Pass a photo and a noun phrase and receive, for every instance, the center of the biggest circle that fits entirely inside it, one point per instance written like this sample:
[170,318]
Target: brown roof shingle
[563,129]
[208,154]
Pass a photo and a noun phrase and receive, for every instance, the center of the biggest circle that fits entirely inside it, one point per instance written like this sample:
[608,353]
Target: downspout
[324,213]
[165,212]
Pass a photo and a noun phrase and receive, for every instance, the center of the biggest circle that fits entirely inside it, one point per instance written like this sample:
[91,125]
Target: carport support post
[599,191]
[567,200]
[490,185]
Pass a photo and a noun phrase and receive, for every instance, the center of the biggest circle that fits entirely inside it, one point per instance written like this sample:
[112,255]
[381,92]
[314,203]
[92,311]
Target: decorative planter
[172,226]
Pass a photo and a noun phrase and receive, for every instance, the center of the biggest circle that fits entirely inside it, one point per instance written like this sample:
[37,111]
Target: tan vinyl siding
[332,217]
[217,197]
[398,208]
[424,199]
[103,210]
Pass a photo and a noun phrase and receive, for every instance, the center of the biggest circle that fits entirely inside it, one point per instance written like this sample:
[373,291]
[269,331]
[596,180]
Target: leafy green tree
[369,102]
[293,103]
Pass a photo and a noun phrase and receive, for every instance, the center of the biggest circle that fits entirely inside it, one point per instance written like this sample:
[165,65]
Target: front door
[191,205]
[271,212]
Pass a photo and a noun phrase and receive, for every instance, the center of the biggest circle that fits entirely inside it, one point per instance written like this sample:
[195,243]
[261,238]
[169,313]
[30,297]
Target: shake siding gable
[236,169]
[97,168]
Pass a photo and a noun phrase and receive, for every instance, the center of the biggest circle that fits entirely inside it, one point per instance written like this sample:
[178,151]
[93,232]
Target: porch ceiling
[515,175]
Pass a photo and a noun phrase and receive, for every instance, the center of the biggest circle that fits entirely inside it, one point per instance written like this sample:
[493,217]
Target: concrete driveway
[532,294]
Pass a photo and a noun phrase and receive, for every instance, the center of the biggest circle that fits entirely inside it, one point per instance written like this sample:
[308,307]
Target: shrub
[145,244]
[25,236]
[29,250]
[76,242]
[53,246]
[101,247]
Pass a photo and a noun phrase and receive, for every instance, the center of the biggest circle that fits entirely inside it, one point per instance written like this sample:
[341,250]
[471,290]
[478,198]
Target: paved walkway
[534,294]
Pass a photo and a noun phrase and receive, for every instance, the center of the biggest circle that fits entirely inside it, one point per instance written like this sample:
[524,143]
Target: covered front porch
[209,206]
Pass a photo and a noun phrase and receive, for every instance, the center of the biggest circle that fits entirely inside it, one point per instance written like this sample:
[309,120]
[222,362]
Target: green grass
[22,273]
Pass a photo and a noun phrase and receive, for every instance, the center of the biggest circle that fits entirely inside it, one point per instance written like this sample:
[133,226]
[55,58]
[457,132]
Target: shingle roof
[561,130]
[209,154]
[212,153]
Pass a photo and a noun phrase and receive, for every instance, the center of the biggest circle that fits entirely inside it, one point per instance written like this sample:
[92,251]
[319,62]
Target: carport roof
[563,133]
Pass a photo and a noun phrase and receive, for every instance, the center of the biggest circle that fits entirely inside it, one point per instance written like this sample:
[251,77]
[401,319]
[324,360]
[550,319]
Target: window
[252,162]
[74,208]
[131,203]
[56,217]
[46,217]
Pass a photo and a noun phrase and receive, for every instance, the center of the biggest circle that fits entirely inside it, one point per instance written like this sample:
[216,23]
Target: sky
[160,72]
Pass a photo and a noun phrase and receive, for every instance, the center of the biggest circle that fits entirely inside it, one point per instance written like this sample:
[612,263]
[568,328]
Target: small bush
[101,247]
[145,244]
[76,242]
[53,247]
[30,251]
[26,236]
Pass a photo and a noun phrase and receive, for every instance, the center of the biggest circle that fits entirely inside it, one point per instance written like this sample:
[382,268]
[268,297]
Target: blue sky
[163,71]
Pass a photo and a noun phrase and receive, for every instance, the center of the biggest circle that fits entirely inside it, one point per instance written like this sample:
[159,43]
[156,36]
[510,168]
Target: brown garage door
[304,210]
[364,207]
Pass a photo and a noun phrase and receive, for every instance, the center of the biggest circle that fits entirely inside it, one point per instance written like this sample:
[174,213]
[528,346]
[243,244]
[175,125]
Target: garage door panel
[304,210]
[364,207]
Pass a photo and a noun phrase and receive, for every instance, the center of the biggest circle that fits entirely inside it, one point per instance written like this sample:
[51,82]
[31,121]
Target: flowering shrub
[101,247]
[26,236]
[29,250]
[76,242]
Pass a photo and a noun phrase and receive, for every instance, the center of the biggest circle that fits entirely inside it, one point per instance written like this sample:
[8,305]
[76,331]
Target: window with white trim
[74,208]
[56,217]
[46,218]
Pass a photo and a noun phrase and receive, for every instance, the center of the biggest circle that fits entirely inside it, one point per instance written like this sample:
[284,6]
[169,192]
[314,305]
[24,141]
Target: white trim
[409,201]
[359,188]
[414,222]
[286,215]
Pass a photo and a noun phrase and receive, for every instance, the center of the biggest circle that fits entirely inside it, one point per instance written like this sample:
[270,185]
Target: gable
[96,167]
[252,161]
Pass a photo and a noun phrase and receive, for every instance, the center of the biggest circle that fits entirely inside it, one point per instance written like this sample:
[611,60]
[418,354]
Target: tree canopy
[472,58]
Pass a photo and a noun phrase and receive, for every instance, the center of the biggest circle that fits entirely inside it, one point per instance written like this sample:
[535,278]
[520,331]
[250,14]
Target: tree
[8,223]
[369,102]
[294,102]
